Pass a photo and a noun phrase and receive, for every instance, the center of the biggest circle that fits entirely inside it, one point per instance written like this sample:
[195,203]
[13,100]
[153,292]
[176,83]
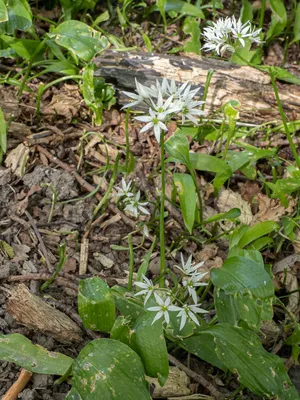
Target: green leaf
[79,38]
[296,28]
[191,27]
[257,231]
[73,395]
[3,132]
[3,12]
[144,266]
[182,7]
[187,197]
[96,305]
[240,350]
[280,74]
[19,350]
[151,347]
[243,292]
[278,18]
[246,11]
[122,331]
[23,47]
[19,17]
[205,162]
[178,147]
[231,214]
[128,306]
[109,369]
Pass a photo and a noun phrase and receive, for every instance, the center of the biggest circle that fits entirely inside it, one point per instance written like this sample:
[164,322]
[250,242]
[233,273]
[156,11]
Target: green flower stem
[262,13]
[131,262]
[62,260]
[127,139]
[162,212]
[288,135]
[193,175]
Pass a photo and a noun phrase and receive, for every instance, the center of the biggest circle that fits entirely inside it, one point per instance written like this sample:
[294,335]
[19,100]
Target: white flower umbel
[135,207]
[186,267]
[190,110]
[225,34]
[142,93]
[154,120]
[191,283]
[163,307]
[188,311]
[147,288]
[124,190]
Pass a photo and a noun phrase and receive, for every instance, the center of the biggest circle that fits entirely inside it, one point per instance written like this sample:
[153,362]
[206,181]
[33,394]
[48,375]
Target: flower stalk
[162,213]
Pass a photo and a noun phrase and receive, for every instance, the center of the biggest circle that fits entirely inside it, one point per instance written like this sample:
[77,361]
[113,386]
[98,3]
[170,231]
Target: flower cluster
[190,281]
[132,202]
[225,34]
[165,100]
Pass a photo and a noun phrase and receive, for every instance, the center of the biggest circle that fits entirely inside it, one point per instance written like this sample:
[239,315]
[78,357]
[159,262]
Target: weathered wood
[29,310]
[252,88]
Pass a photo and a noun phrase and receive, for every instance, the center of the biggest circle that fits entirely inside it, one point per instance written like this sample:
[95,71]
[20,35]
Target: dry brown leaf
[271,209]
[229,199]
[16,159]
[176,385]
[208,251]
[249,190]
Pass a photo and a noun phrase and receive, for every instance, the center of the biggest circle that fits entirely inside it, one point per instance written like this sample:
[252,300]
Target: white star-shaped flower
[163,307]
[147,288]
[125,190]
[188,311]
[154,120]
[191,283]
[186,267]
[135,207]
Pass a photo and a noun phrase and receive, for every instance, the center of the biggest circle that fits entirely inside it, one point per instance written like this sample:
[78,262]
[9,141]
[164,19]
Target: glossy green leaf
[3,12]
[23,47]
[205,162]
[296,27]
[96,304]
[187,197]
[257,231]
[241,351]
[231,214]
[243,291]
[178,147]
[151,347]
[19,350]
[122,331]
[19,17]
[278,18]
[246,11]
[73,395]
[126,303]
[3,132]
[79,38]
[191,27]
[109,369]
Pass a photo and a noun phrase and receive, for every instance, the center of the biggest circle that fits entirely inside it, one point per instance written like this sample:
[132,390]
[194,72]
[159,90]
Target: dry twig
[18,386]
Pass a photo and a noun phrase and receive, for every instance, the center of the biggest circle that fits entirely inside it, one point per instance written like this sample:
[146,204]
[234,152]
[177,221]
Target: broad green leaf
[246,11]
[109,369]
[23,47]
[257,231]
[278,18]
[19,17]
[128,306]
[71,7]
[79,38]
[19,350]
[243,291]
[73,395]
[231,214]
[280,74]
[296,28]
[282,187]
[241,351]
[182,7]
[3,132]
[187,197]
[151,347]
[122,331]
[191,27]
[96,305]
[61,67]
[3,12]
[235,160]
[178,147]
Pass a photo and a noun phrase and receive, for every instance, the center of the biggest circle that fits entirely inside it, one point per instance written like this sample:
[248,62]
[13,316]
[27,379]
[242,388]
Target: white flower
[242,31]
[143,93]
[174,90]
[134,206]
[188,311]
[191,282]
[165,107]
[155,121]
[190,109]
[147,286]
[225,33]
[163,307]
[187,267]
[124,190]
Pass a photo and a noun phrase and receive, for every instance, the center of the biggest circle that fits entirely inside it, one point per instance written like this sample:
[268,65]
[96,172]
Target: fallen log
[252,88]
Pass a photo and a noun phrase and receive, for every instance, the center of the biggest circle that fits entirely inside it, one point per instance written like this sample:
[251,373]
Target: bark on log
[29,310]
[252,88]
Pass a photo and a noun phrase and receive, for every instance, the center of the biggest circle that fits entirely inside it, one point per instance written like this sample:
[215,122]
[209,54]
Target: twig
[84,254]
[18,386]
[198,378]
